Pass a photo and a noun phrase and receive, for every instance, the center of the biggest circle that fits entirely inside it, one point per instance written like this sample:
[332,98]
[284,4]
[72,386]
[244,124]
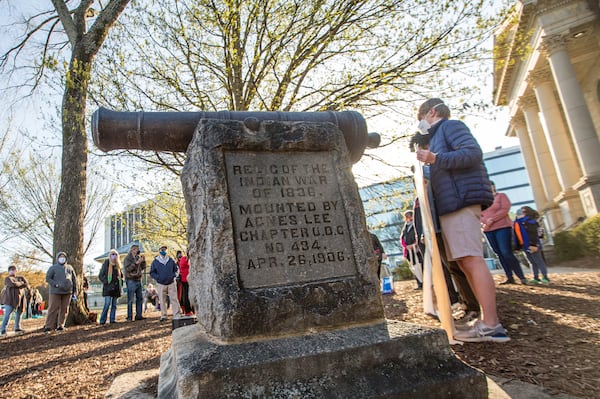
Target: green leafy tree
[165,222]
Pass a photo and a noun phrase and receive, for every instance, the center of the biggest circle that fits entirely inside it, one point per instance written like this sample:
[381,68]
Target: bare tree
[28,206]
[374,56]
[84,42]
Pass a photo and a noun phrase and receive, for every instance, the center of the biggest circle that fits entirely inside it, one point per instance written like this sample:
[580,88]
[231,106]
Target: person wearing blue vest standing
[461,187]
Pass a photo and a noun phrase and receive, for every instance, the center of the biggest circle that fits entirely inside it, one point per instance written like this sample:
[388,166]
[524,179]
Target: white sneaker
[482,333]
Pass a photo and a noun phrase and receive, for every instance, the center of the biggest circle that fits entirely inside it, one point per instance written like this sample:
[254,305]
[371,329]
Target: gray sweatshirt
[61,279]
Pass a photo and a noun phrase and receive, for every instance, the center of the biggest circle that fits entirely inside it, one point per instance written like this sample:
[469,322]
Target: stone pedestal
[283,277]
[386,360]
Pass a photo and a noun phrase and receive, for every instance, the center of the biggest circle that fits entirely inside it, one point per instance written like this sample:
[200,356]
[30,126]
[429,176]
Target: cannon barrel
[173,131]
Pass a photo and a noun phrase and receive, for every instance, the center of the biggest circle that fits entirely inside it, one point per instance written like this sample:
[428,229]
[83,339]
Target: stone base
[387,360]
[183,321]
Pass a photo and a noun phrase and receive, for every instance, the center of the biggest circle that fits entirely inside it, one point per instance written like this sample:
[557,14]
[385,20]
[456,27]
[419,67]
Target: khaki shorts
[462,232]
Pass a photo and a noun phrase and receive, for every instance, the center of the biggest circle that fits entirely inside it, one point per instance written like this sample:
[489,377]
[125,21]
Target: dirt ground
[554,330]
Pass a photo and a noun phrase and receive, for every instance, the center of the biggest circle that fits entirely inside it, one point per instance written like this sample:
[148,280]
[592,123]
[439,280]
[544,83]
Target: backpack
[520,235]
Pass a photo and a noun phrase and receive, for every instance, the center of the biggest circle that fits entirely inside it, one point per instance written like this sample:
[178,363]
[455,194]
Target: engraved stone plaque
[288,218]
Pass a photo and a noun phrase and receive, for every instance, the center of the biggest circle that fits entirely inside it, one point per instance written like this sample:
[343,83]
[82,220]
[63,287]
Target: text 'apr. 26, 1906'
[289,221]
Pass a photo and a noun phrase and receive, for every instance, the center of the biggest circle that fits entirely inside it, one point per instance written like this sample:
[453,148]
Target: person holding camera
[135,264]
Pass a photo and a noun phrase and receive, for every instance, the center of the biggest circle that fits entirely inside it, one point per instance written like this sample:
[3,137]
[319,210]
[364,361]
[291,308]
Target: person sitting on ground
[13,298]
[151,296]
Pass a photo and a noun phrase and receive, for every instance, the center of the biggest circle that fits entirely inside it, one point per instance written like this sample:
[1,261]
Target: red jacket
[184,268]
[496,216]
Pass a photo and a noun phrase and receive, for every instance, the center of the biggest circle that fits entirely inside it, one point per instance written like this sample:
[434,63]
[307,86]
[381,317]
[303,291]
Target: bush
[567,246]
[403,272]
[580,241]
[588,234]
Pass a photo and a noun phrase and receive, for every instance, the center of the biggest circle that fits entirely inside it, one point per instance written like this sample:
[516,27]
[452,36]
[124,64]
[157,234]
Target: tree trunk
[68,230]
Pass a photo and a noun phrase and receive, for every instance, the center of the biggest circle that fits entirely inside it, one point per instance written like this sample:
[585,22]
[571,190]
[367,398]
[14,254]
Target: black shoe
[140,318]
[508,281]
[128,319]
[19,331]
[47,330]
[60,329]
[162,319]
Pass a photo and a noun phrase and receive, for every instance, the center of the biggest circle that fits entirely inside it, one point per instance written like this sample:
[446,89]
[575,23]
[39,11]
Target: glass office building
[506,169]
[384,205]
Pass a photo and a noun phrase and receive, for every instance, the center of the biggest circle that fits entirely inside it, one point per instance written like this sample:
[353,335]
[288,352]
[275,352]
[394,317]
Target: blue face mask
[163,253]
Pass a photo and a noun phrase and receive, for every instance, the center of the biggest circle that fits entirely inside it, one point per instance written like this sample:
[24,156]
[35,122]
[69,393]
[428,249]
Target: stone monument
[284,278]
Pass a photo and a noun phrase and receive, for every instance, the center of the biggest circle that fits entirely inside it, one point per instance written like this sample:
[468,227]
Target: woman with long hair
[111,276]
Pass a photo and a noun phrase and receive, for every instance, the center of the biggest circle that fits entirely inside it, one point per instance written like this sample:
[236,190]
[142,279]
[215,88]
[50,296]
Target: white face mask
[62,260]
[423,126]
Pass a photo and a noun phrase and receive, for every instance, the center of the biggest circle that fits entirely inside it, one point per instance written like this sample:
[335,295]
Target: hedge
[580,241]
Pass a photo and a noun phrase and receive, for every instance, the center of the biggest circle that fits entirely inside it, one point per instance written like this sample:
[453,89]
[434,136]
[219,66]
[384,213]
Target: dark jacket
[133,271]
[377,247]
[113,288]
[14,293]
[526,233]
[61,279]
[458,177]
[164,274]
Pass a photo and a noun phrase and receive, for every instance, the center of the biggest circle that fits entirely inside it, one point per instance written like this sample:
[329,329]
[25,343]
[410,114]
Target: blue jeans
[500,241]
[134,287]
[537,264]
[7,313]
[111,302]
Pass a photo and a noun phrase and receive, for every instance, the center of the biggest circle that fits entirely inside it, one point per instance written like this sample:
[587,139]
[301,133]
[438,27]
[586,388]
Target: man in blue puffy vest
[461,187]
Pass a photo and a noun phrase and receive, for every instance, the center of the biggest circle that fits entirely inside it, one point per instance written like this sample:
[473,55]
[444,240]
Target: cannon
[173,131]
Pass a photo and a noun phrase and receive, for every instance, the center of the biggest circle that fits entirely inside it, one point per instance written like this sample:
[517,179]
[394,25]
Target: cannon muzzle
[173,131]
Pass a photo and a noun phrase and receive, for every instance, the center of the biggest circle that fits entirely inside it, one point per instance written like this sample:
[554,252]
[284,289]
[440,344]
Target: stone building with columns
[547,71]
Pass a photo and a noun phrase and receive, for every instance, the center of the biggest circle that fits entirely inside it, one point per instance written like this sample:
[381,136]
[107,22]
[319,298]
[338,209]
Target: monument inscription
[288,218]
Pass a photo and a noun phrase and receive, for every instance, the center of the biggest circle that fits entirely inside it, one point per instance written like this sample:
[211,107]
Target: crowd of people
[172,290]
